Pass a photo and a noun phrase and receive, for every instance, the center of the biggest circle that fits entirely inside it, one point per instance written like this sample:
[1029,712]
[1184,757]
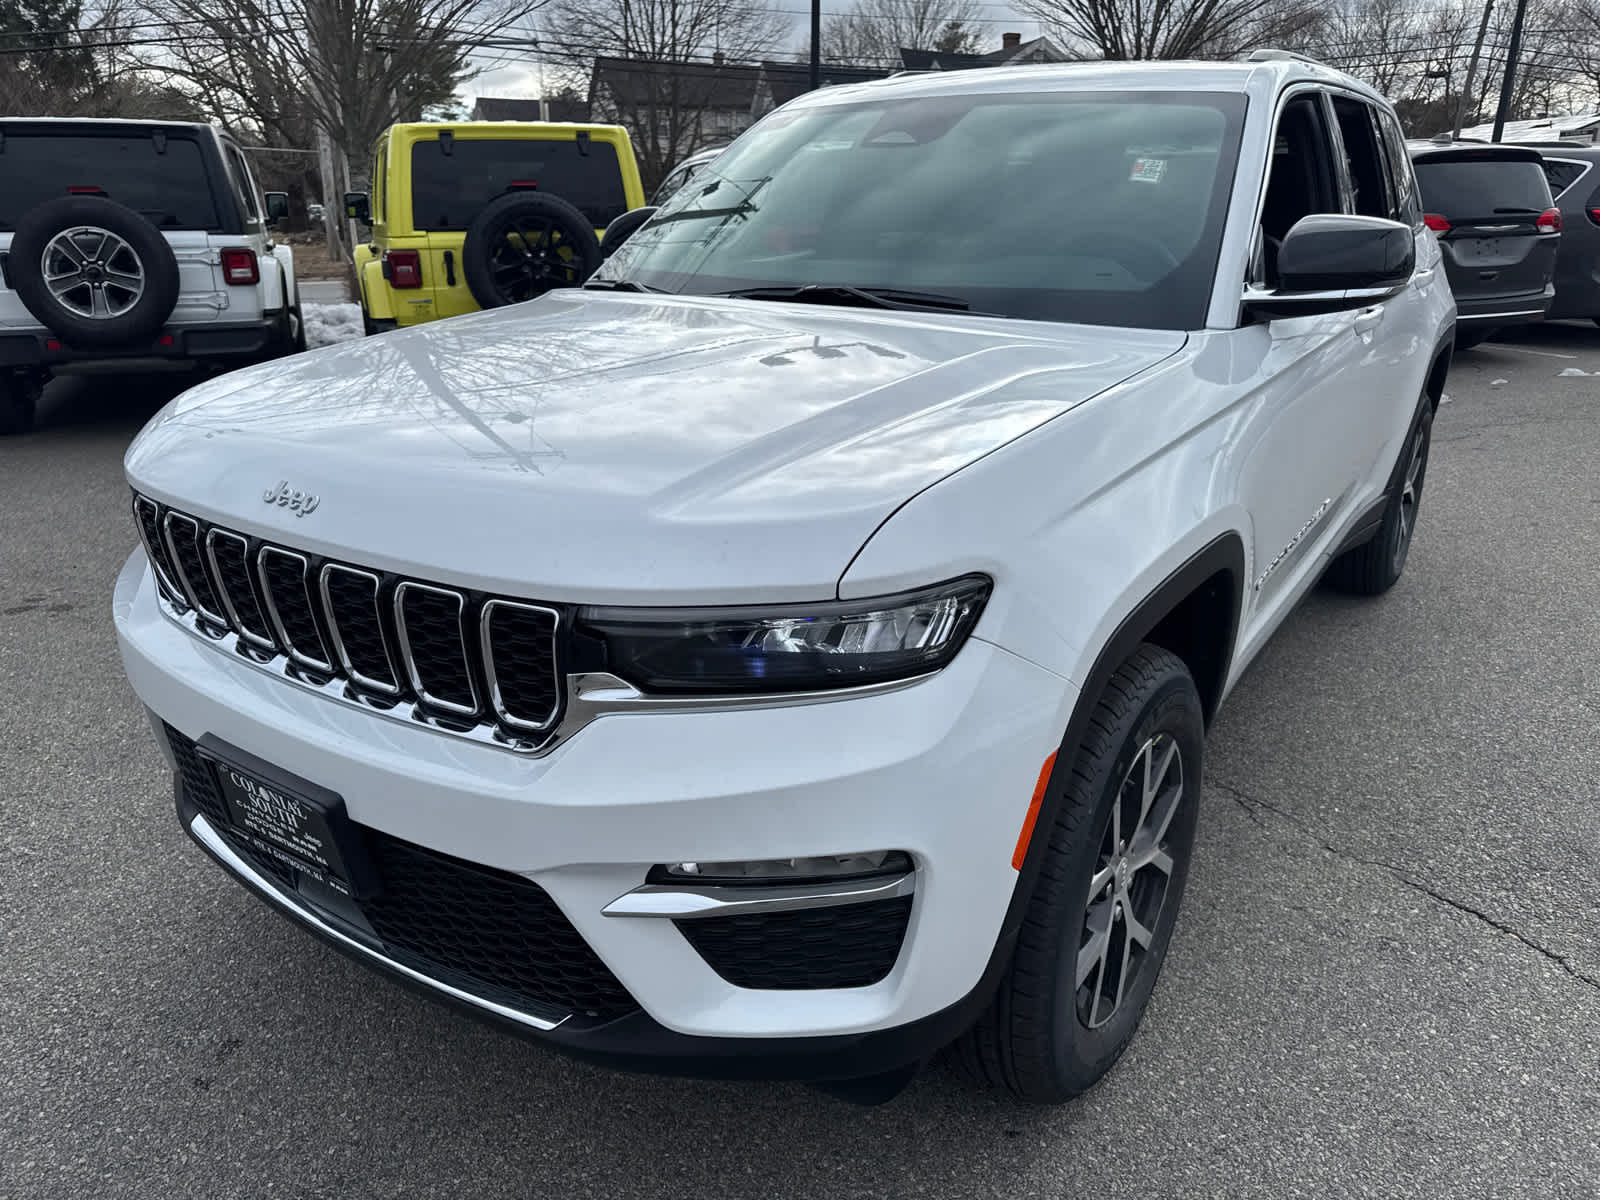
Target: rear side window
[244,190]
[171,189]
[1482,188]
[449,190]
[1407,202]
[1369,178]
[1562,173]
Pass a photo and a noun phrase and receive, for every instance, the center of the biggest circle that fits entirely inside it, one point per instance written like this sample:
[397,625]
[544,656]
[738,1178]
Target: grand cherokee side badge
[300,503]
[1322,510]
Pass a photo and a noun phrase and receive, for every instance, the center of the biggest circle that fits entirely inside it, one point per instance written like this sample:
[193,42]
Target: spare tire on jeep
[525,243]
[96,274]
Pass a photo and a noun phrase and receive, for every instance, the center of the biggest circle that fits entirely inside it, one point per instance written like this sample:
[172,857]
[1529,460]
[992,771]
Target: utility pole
[816,44]
[1472,72]
[1510,81]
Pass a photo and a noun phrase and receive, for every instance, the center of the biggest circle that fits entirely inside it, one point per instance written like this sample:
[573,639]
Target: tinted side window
[1408,204]
[1369,177]
[1562,173]
[449,190]
[172,189]
[244,190]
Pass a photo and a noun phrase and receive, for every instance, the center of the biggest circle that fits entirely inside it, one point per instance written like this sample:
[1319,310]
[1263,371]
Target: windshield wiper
[1532,212]
[622,285]
[837,293]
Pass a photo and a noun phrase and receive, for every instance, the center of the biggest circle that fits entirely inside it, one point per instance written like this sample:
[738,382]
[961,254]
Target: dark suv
[1575,184]
[1499,228]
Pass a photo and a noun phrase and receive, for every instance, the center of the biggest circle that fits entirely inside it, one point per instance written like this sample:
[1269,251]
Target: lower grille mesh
[488,932]
[849,945]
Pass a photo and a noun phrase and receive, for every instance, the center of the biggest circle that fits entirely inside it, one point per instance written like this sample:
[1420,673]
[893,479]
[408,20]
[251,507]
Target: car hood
[622,448]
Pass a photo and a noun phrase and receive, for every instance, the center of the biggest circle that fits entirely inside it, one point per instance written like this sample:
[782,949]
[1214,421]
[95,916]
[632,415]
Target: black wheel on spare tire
[524,244]
[1374,567]
[1103,909]
[96,274]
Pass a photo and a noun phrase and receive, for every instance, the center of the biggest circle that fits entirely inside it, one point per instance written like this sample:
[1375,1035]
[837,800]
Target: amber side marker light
[1026,835]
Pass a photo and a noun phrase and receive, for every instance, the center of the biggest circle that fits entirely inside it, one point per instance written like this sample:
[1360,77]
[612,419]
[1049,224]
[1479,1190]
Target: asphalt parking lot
[1386,981]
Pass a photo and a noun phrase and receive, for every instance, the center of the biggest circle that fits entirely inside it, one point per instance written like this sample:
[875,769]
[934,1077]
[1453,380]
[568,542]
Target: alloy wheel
[93,272]
[1132,876]
[1411,495]
[532,257]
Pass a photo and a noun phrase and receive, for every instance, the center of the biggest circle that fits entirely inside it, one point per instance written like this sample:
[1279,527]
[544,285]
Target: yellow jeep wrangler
[481,214]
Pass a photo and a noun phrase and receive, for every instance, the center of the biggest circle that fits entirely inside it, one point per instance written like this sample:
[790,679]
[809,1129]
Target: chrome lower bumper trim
[208,837]
[688,901]
[1499,316]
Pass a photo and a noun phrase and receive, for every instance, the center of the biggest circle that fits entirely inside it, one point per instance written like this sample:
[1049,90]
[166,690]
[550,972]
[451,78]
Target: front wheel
[1102,912]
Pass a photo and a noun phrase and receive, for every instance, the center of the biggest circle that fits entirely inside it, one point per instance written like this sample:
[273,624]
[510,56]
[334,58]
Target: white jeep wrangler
[133,240]
[792,651]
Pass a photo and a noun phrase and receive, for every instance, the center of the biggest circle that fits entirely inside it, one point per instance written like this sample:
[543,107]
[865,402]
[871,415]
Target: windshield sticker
[1148,170]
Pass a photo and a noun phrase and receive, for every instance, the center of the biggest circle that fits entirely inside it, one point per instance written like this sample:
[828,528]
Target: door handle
[1369,319]
[1423,276]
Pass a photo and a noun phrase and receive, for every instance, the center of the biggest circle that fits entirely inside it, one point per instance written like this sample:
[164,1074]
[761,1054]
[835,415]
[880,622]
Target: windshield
[449,189]
[1095,207]
[167,183]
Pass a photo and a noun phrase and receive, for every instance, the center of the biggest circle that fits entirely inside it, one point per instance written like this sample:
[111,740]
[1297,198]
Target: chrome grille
[285,583]
[446,656]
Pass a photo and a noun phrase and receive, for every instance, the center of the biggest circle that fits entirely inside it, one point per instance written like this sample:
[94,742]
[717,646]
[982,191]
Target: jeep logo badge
[297,502]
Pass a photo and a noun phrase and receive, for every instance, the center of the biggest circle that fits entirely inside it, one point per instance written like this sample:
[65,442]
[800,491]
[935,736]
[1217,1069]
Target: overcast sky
[506,73]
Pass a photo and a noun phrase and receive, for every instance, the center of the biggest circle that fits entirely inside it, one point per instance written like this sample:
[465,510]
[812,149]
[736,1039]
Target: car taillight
[1436,223]
[405,268]
[239,267]
[1549,221]
[1594,215]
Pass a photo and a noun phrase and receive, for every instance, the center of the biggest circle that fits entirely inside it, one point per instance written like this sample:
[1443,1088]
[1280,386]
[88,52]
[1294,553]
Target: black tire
[524,244]
[1374,567]
[122,246]
[623,228]
[19,405]
[1040,1038]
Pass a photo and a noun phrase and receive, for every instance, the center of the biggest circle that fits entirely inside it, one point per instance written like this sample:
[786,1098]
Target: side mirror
[277,206]
[1332,263]
[358,207]
[623,228]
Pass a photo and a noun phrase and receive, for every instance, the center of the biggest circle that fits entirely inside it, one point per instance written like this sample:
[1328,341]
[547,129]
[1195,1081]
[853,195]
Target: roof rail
[1270,55]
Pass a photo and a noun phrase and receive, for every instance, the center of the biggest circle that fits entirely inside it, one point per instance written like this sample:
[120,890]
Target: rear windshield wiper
[621,285]
[835,293]
[1532,212]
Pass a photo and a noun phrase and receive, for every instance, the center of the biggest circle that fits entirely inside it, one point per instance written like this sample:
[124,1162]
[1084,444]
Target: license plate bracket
[291,819]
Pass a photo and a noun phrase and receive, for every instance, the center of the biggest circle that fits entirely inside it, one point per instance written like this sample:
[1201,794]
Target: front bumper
[942,770]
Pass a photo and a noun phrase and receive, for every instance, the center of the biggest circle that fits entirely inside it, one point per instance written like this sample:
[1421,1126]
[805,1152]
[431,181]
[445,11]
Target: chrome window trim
[299,656]
[249,637]
[495,699]
[690,901]
[406,658]
[190,592]
[174,592]
[1576,179]
[356,677]
[223,853]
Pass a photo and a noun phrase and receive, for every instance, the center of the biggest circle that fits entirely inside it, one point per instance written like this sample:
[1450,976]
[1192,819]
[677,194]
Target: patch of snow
[1445,397]
[1498,382]
[330,324]
[1576,373]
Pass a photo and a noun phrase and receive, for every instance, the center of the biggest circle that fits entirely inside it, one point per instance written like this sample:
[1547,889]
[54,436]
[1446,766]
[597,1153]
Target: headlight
[800,648]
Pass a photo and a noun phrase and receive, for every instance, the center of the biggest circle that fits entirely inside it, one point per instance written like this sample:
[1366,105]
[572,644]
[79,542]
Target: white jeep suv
[792,652]
[133,242]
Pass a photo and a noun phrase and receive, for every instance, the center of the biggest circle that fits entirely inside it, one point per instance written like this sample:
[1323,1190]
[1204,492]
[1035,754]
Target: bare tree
[657,66]
[872,33]
[1135,29]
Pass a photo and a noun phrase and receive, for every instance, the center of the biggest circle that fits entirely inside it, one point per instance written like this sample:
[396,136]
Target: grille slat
[492,933]
[147,515]
[230,568]
[285,585]
[519,659]
[433,646]
[489,668]
[183,541]
[355,626]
